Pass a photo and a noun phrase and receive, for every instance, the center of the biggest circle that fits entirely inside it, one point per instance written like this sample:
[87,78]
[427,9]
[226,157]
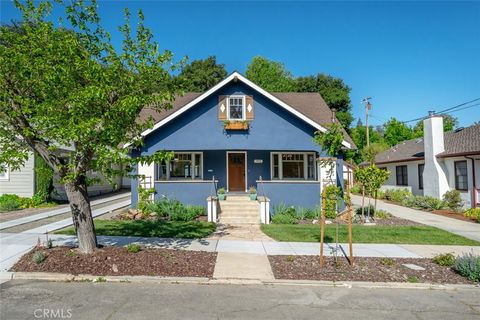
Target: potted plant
[252,191]
[235,125]
[221,194]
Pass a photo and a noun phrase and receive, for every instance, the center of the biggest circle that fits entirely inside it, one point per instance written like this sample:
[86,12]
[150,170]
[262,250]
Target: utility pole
[368,106]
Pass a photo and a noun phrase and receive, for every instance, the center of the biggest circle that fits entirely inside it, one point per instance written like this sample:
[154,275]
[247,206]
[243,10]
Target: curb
[65,277]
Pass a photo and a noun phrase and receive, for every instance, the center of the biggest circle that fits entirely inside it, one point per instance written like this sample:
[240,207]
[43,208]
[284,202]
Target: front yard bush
[9,202]
[473,213]
[356,189]
[188,213]
[397,195]
[446,259]
[172,209]
[453,200]
[284,215]
[468,266]
[424,203]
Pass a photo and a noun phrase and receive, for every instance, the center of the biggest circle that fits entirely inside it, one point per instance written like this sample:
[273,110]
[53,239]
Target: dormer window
[236,108]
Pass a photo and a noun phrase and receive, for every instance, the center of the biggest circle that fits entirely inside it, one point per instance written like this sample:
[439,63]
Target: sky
[410,57]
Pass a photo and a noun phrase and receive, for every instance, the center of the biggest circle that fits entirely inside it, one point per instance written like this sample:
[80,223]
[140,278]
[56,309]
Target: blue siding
[192,193]
[273,128]
[292,194]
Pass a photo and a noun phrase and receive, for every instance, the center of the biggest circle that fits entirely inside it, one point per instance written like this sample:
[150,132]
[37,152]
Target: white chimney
[435,182]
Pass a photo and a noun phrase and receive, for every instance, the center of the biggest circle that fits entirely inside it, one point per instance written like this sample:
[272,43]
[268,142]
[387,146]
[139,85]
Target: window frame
[404,181]
[420,175]
[5,176]
[280,166]
[167,168]
[244,109]
[455,163]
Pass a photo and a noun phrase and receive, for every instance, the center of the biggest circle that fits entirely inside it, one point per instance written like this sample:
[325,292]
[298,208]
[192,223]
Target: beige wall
[20,182]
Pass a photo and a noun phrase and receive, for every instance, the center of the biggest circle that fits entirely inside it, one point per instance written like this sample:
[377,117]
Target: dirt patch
[364,269]
[116,261]
[454,215]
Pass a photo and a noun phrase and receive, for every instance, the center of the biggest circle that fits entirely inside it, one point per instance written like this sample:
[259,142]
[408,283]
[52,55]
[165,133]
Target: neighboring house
[22,182]
[437,163]
[237,133]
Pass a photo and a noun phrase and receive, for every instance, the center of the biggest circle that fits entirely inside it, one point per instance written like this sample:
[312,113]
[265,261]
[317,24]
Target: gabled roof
[459,142]
[310,107]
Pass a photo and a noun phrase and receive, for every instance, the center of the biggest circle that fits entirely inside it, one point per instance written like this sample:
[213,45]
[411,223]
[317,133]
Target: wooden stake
[350,240]
[322,226]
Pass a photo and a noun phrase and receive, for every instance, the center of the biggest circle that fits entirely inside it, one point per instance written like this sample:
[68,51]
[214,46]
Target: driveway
[29,299]
[467,229]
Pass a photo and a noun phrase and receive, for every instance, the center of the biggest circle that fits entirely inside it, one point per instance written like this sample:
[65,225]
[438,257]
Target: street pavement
[75,300]
[463,228]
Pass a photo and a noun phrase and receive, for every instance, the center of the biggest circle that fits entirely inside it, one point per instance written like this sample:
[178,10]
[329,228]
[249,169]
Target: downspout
[474,184]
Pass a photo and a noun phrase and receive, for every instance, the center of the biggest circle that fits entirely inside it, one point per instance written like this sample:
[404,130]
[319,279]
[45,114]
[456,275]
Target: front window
[293,166]
[461,177]
[420,176]
[402,176]
[236,108]
[4,172]
[183,166]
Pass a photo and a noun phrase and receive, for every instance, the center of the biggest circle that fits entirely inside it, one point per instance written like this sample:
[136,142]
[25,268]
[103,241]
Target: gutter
[474,184]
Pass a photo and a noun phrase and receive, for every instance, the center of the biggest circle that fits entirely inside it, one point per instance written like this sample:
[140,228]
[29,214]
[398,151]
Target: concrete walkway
[57,211]
[466,229]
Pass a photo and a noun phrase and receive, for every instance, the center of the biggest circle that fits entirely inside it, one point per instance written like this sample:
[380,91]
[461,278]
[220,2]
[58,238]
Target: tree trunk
[81,215]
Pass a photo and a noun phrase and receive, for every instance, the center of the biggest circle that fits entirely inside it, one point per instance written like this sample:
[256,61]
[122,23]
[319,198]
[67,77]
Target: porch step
[239,221]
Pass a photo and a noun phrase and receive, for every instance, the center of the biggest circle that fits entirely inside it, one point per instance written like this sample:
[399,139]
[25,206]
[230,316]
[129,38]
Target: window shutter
[249,107]
[222,107]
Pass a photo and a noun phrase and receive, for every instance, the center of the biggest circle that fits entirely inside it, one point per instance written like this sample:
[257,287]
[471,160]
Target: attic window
[236,108]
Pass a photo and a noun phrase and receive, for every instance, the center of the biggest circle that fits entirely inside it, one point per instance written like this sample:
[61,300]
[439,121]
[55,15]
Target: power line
[467,107]
[448,110]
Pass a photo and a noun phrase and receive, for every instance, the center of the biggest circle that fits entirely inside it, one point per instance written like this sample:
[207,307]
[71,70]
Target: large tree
[450,123]
[333,90]
[270,75]
[201,75]
[396,131]
[74,99]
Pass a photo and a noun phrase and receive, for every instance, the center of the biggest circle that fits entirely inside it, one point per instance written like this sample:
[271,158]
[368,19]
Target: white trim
[5,176]
[246,169]
[250,84]
[167,165]
[244,109]
[280,166]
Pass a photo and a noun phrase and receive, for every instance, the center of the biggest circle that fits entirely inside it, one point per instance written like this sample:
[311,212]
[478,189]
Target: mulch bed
[116,261]
[364,269]
[454,215]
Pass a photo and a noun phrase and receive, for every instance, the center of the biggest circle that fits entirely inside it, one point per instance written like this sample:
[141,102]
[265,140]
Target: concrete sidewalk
[463,228]
[13,246]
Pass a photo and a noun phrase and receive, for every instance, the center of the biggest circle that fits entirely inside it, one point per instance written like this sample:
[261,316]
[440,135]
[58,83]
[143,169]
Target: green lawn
[367,234]
[144,228]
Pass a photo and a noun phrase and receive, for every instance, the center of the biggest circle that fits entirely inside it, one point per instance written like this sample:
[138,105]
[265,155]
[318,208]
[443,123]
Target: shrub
[188,213]
[9,202]
[38,257]
[307,213]
[453,200]
[356,189]
[368,210]
[380,194]
[424,203]
[397,195]
[382,214]
[473,213]
[168,207]
[468,266]
[133,247]
[284,218]
[144,198]
[446,259]
[284,215]
[332,194]
[434,203]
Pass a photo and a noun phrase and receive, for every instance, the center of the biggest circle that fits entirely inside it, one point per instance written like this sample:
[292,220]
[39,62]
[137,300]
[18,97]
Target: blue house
[233,136]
